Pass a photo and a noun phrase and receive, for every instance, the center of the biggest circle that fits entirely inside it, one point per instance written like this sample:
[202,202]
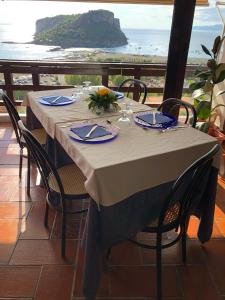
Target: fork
[174,128]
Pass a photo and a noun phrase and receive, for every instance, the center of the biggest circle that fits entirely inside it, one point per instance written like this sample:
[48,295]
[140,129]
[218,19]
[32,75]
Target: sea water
[140,41]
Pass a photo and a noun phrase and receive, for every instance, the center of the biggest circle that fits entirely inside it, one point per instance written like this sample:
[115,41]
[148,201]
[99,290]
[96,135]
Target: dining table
[127,177]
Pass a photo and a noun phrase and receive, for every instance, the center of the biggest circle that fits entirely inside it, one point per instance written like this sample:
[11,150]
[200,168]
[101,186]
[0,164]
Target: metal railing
[36,69]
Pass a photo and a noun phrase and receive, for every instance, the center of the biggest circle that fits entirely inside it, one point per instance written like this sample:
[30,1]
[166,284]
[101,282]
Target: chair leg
[63,232]
[108,253]
[20,164]
[159,272]
[46,214]
[28,173]
[184,248]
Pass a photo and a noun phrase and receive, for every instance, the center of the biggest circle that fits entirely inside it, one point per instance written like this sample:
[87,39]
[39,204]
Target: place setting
[56,100]
[157,120]
[93,133]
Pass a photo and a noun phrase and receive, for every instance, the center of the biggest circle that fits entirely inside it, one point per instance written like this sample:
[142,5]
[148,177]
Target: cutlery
[90,132]
[56,99]
[154,119]
[174,128]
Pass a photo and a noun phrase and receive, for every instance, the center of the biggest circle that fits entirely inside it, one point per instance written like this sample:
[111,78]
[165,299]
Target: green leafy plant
[204,84]
[103,99]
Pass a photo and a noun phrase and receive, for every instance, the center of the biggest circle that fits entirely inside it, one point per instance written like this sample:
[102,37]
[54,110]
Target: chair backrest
[188,186]
[176,104]
[13,114]
[42,160]
[137,84]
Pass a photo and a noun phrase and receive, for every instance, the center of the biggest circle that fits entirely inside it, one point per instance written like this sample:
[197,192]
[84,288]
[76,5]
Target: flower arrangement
[103,99]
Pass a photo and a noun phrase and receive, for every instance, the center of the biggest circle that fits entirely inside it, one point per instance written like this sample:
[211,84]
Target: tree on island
[94,29]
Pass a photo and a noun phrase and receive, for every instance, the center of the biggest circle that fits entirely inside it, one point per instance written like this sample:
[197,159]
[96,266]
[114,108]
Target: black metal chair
[132,85]
[62,185]
[39,134]
[176,211]
[175,105]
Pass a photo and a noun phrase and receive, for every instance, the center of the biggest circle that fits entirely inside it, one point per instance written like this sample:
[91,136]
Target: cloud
[206,16]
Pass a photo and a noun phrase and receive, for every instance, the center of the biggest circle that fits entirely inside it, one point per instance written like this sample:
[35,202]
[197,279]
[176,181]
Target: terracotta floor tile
[193,229]
[9,170]
[33,226]
[197,283]
[6,251]
[103,290]
[8,186]
[219,212]
[14,210]
[9,144]
[18,281]
[221,226]
[7,133]
[173,255]
[72,227]
[125,254]
[215,261]
[20,194]
[55,283]
[9,156]
[40,252]
[141,282]
[9,230]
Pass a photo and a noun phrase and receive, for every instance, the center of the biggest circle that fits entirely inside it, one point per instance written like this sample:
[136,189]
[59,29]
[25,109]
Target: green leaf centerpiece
[103,100]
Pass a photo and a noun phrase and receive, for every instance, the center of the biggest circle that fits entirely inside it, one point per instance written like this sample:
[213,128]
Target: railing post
[105,77]
[8,84]
[35,81]
[137,73]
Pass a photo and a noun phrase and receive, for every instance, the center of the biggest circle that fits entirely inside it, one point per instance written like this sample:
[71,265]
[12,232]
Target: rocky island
[94,29]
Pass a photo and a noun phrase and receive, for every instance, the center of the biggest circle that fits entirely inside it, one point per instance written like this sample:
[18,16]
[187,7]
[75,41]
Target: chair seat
[170,219]
[40,135]
[72,180]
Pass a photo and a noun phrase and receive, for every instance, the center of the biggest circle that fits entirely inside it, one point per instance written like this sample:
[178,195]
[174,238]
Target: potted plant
[203,90]
[103,100]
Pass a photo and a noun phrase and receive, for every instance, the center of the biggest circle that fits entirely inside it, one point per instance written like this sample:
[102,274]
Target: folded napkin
[118,95]
[160,118]
[61,99]
[84,130]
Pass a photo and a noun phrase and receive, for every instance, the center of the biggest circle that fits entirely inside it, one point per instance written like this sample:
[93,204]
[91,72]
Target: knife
[153,118]
[56,99]
[90,132]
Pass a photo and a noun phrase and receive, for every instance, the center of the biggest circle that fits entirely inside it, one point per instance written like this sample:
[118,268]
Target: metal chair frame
[46,168]
[14,117]
[174,103]
[135,82]
[195,173]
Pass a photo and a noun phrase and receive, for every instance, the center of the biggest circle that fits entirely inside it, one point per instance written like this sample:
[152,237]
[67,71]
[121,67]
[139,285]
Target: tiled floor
[31,266]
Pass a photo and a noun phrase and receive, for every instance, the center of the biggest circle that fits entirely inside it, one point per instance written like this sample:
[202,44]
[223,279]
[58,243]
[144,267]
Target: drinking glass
[77,92]
[124,118]
[87,85]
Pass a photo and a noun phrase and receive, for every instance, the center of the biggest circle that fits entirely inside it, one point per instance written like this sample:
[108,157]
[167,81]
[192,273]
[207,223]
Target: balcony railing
[36,69]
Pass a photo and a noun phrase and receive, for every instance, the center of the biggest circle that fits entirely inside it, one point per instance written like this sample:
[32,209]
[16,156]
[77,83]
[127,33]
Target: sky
[131,16]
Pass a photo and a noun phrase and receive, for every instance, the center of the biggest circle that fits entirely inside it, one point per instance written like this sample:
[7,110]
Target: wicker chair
[175,212]
[39,134]
[132,84]
[175,104]
[63,185]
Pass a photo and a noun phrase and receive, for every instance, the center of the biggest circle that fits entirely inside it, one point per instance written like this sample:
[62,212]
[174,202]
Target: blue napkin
[119,95]
[50,99]
[83,131]
[160,119]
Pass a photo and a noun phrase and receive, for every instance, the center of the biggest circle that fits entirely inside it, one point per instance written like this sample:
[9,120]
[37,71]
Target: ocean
[140,41]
